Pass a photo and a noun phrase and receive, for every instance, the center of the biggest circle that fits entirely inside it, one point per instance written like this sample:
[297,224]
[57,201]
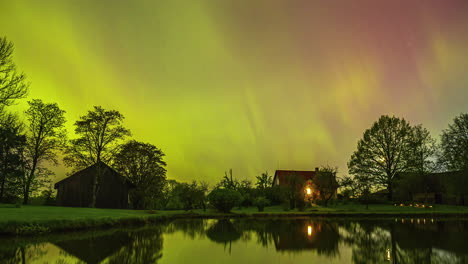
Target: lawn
[44,219]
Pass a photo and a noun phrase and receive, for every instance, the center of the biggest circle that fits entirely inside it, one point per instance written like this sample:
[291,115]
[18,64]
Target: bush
[301,204]
[224,199]
[247,200]
[261,203]
[274,194]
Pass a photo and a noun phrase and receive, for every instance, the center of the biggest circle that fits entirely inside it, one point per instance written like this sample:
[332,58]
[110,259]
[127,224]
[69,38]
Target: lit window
[309,230]
[308,191]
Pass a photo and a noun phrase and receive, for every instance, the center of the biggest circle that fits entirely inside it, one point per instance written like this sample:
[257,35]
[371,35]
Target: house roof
[282,174]
[90,169]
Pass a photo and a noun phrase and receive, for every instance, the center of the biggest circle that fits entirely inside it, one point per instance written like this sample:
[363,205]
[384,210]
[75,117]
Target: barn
[76,190]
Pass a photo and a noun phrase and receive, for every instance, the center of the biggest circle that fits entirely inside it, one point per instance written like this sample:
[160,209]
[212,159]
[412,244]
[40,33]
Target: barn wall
[113,193]
[76,191]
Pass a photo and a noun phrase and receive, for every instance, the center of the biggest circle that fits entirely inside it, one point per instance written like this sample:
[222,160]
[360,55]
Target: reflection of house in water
[299,235]
[93,250]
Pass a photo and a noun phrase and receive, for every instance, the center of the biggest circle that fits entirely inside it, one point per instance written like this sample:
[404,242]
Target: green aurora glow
[248,85]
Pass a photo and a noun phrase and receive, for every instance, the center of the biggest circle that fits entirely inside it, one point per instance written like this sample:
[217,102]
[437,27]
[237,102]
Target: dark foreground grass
[28,220]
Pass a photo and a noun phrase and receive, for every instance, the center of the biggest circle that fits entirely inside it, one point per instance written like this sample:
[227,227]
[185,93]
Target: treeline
[34,141]
[230,192]
[393,150]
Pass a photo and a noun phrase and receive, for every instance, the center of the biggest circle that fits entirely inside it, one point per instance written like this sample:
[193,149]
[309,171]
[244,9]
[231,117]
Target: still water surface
[303,240]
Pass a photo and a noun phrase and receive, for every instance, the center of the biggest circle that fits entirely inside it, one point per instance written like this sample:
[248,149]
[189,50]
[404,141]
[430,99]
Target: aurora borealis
[248,85]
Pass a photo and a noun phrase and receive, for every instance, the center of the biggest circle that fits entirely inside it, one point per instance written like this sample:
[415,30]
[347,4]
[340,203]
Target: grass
[28,220]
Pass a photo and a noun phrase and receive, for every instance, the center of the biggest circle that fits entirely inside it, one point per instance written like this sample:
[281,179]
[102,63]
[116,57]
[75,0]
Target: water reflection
[367,241]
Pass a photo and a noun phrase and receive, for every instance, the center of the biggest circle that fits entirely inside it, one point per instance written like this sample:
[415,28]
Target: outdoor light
[309,230]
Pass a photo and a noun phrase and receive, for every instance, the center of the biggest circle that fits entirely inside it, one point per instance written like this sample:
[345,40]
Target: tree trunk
[26,194]
[96,182]
[2,188]
[4,176]
[27,185]
[390,192]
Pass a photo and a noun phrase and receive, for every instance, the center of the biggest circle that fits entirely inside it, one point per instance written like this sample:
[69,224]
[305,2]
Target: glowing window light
[309,230]
[308,191]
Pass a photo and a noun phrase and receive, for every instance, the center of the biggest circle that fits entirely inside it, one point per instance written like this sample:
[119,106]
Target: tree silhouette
[45,135]
[143,165]
[264,181]
[383,152]
[12,143]
[454,144]
[12,83]
[98,133]
[326,183]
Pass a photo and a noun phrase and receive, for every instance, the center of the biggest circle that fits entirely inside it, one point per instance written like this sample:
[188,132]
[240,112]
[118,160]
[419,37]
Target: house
[76,190]
[305,180]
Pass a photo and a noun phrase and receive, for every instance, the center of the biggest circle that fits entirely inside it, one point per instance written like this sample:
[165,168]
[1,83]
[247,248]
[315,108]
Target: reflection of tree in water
[385,241]
[145,247]
[223,232]
[21,254]
[289,235]
[193,228]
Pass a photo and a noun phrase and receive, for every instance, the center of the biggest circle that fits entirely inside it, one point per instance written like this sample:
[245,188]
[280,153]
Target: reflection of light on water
[309,230]
[389,257]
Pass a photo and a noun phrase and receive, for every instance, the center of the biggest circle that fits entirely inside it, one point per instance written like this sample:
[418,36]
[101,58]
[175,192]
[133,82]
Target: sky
[250,85]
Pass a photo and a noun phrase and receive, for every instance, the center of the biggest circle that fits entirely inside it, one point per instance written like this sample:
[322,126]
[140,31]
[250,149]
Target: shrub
[261,203]
[301,204]
[224,199]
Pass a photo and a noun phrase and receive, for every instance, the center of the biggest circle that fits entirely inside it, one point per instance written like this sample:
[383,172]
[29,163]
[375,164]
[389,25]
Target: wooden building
[76,190]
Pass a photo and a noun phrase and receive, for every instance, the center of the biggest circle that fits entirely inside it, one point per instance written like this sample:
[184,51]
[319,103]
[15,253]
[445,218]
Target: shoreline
[50,226]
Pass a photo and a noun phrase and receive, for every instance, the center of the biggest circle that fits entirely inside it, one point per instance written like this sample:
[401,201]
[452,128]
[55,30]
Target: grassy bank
[46,219]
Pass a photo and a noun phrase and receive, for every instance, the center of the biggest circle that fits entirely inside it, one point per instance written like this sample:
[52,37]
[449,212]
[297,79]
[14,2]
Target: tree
[229,182]
[224,199]
[12,83]
[99,132]
[264,181]
[454,144]
[326,183]
[383,152]
[191,195]
[423,150]
[143,165]
[45,136]
[293,191]
[12,143]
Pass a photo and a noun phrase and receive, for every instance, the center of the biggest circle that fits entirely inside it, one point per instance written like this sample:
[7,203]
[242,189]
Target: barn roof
[90,169]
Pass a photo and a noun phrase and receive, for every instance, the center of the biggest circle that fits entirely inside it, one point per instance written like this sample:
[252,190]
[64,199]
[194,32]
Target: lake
[298,240]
